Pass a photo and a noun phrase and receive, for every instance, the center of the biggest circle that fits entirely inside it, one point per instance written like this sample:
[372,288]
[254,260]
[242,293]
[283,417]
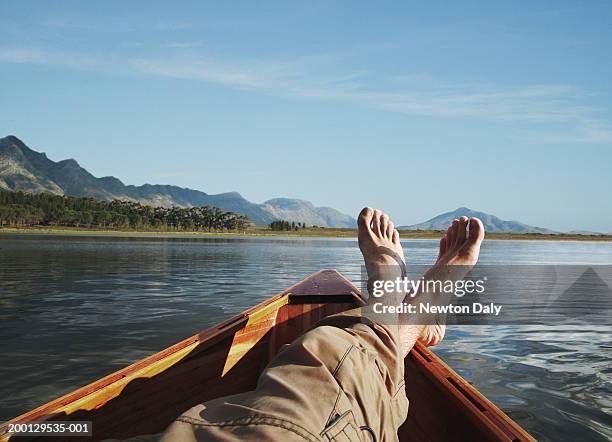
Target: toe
[364,220]
[390,229]
[438,333]
[376,222]
[449,236]
[462,229]
[396,237]
[442,245]
[452,240]
[455,232]
[384,223]
[477,231]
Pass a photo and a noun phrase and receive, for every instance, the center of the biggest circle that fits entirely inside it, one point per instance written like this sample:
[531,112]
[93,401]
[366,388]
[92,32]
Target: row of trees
[26,209]
[281,225]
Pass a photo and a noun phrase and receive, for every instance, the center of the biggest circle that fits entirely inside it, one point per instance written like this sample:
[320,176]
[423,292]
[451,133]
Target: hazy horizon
[416,109]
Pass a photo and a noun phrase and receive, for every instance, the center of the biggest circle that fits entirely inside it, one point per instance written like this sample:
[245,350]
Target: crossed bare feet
[379,243]
[459,246]
[459,251]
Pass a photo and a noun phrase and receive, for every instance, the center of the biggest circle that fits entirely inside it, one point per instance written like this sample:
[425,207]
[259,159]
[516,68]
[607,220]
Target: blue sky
[416,108]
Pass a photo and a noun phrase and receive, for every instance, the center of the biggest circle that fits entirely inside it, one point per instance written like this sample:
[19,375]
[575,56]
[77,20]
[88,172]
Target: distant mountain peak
[293,209]
[233,194]
[14,139]
[23,169]
[69,162]
[491,222]
[288,203]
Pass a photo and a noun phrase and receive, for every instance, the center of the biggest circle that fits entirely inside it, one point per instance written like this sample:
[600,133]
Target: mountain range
[491,222]
[24,169]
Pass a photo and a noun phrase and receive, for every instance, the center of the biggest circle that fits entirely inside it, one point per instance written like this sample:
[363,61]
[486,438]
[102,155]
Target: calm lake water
[75,308]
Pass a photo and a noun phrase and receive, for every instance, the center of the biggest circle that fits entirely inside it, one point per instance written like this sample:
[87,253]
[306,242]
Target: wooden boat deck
[145,397]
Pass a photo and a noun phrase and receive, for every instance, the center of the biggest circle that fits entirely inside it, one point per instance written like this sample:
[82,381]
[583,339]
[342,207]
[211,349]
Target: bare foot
[460,248]
[379,243]
[383,255]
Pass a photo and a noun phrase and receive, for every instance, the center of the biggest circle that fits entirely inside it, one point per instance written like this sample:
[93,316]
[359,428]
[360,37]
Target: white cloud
[318,78]
[68,59]
[584,131]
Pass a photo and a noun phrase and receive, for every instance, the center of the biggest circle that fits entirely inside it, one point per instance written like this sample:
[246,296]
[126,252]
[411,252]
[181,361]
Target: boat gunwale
[482,409]
[435,369]
[207,336]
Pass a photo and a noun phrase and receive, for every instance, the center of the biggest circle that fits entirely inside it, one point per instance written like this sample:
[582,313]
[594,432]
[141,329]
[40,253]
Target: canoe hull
[147,396]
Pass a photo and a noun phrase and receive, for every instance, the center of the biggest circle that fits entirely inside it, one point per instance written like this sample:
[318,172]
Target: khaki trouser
[341,381]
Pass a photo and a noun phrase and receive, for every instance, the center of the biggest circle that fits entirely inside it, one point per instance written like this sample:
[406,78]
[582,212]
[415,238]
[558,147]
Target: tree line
[45,209]
[281,225]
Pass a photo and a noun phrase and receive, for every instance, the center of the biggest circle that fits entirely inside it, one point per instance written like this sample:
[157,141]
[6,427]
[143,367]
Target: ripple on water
[98,304]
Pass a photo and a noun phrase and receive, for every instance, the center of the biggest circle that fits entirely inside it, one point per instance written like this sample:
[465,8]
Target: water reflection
[73,309]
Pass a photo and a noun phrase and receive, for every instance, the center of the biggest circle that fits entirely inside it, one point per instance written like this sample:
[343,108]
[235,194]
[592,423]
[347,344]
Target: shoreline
[311,232]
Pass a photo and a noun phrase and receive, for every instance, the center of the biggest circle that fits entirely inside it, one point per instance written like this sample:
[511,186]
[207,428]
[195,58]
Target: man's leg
[384,260]
[459,252]
[342,380]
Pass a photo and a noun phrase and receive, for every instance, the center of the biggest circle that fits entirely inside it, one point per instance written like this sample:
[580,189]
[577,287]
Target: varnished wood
[227,359]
